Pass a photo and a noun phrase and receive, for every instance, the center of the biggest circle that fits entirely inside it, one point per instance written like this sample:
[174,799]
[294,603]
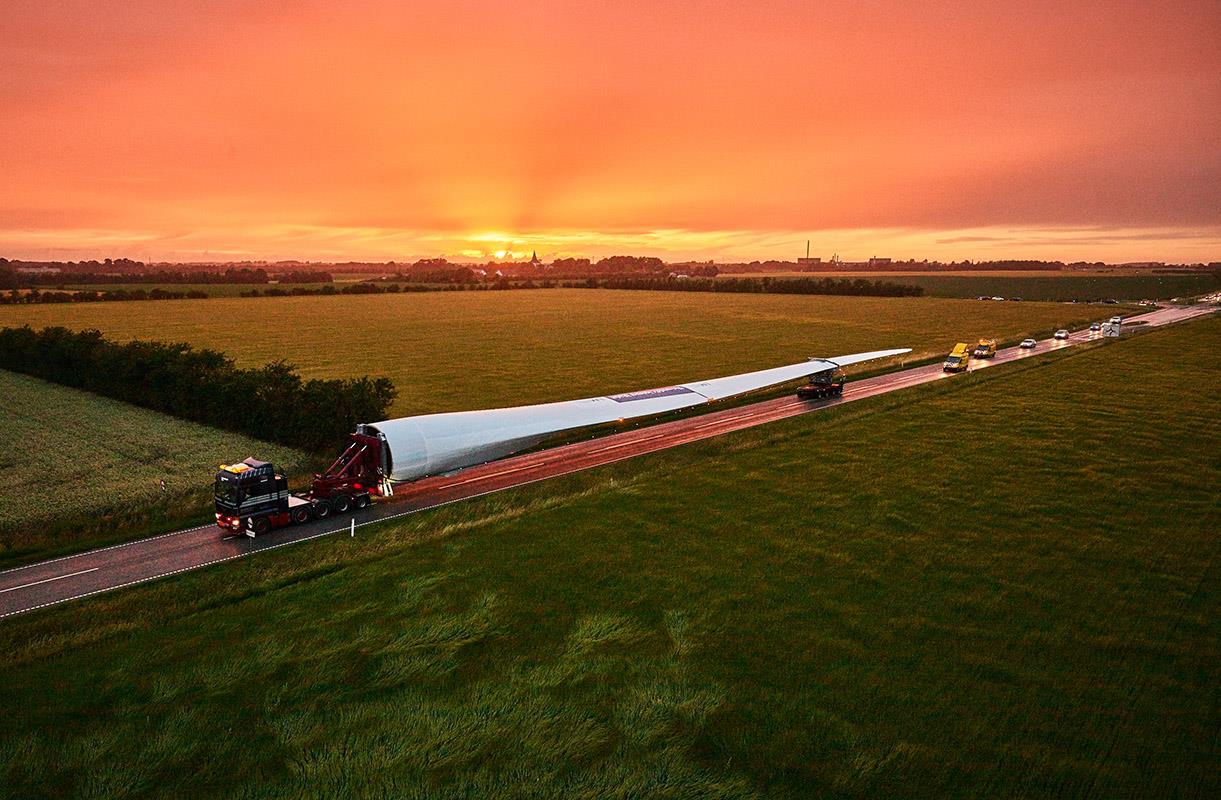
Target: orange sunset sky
[728,130]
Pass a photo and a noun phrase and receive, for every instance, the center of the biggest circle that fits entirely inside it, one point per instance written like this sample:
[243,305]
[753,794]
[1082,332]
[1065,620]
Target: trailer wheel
[340,503]
[362,501]
[301,514]
[321,509]
[260,525]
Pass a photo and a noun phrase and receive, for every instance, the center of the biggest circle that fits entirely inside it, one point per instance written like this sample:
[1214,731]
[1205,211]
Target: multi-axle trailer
[253,496]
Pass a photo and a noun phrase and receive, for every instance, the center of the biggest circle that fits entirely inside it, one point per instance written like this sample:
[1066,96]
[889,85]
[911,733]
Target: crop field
[77,467]
[1044,286]
[450,351]
[847,604]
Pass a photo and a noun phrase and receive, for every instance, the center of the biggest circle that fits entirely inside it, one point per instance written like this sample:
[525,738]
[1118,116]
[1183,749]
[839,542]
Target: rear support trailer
[822,385]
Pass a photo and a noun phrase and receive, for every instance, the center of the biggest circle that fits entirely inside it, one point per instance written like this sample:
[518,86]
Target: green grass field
[79,469]
[449,351]
[1000,585]
[1043,286]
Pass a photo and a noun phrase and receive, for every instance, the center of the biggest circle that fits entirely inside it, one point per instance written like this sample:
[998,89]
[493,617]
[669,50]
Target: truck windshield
[827,376]
[954,360]
[227,491]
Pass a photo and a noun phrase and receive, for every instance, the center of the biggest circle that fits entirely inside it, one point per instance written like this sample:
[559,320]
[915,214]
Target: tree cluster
[242,275]
[15,297]
[270,402]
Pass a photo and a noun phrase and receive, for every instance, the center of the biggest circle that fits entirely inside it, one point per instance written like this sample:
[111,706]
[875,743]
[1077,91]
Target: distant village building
[879,262]
[534,259]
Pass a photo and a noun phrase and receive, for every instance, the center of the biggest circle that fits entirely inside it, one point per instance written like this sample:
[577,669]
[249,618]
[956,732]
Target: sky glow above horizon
[706,130]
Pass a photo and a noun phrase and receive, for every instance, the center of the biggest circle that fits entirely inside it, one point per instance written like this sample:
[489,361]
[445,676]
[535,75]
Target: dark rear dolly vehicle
[823,385]
[253,497]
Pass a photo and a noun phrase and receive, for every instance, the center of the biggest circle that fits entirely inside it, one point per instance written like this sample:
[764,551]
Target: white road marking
[490,475]
[48,580]
[628,444]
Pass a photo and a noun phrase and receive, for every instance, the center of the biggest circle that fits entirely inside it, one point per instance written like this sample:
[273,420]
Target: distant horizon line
[872,262]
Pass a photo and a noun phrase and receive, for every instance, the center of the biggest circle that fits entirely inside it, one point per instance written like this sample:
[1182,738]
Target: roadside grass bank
[1000,584]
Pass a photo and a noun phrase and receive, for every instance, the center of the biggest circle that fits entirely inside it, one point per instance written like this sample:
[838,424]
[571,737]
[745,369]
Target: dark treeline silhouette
[270,402]
[376,287]
[826,286]
[436,274]
[161,276]
[908,265]
[15,297]
[106,265]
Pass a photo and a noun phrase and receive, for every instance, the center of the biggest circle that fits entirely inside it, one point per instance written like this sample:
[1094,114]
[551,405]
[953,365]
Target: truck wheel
[321,509]
[301,514]
[362,501]
[340,503]
[260,525]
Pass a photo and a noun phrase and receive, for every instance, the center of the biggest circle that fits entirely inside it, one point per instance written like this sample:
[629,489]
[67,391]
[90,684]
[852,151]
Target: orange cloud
[694,128]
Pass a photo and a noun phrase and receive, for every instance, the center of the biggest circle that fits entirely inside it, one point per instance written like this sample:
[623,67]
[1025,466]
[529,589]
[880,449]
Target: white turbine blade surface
[434,443]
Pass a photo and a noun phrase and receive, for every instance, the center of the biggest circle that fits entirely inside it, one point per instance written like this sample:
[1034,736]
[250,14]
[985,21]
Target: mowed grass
[998,585]
[451,351]
[78,468]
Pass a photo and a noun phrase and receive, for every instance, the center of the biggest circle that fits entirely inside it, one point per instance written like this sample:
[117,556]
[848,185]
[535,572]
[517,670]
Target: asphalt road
[73,577]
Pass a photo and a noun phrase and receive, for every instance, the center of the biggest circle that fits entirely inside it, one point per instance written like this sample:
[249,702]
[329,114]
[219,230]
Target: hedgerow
[271,402]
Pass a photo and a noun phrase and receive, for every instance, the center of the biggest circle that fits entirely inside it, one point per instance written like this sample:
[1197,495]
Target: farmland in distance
[1060,286]
[459,350]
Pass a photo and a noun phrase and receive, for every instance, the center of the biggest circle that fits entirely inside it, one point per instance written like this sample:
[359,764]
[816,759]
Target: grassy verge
[969,589]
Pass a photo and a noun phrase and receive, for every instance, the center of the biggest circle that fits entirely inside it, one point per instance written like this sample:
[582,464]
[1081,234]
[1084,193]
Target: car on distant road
[1095,326]
[998,298]
[1116,320]
[1027,344]
[1062,334]
[985,349]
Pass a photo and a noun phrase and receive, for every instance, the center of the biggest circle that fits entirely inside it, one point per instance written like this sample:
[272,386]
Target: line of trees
[15,297]
[242,275]
[827,286]
[270,402]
